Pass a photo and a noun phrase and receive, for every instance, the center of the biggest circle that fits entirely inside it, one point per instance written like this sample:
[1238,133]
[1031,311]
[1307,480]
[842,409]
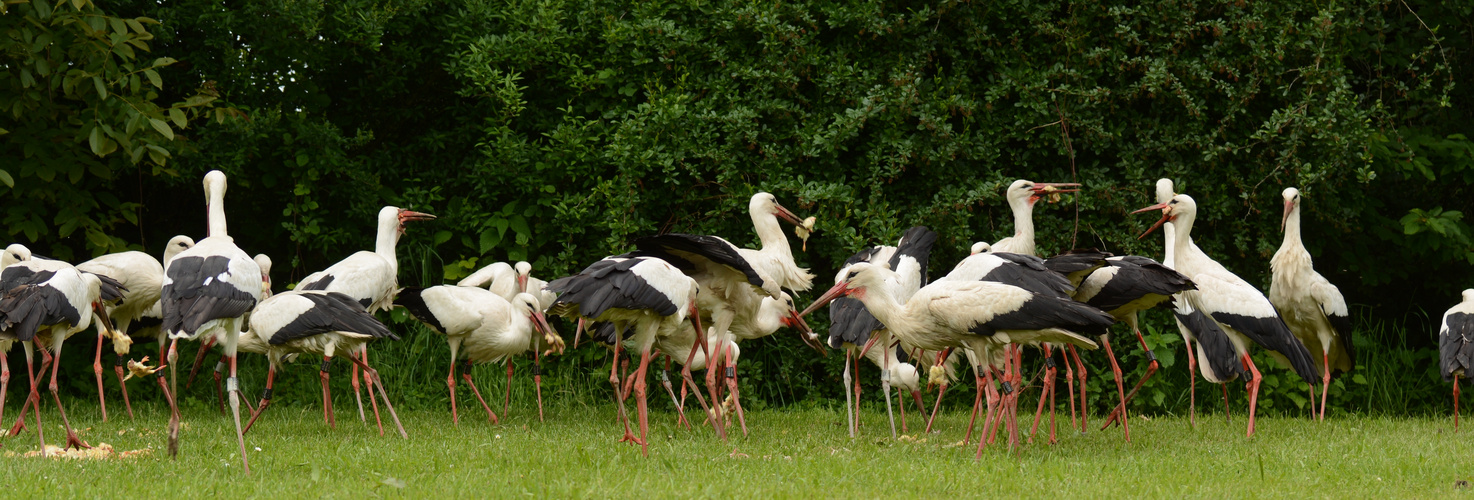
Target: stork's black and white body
[1124,286]
[507,281]
[1311,306]
[143,277]
[1456,346]
[851,326]
[264,262]
[646,293]
[319,323]
[775,259]
[488,327]
[1238,307]
[207,289]
[49,307]
[371,278]
[980,315]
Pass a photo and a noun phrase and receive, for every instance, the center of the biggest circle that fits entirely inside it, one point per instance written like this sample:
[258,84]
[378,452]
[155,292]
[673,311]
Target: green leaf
[153,77]
[164,61]
[162,127]
[442,237]
[519,225]
[6,178]
[1359,379]
[94,140]
[118,25]
[177,116]
[489,239]
[101,88]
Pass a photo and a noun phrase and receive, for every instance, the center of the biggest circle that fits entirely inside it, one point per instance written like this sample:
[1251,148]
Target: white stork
[1239,308]
[627,290]
[851,326]
[320,323]
[1456,345]
[209,287]
[1311,306]
[489,327]
[1022,195]
[264,262]
[371,278]
[979,315]
[775,259]
[143,276]
[498,277]
[48,308]
[527,283]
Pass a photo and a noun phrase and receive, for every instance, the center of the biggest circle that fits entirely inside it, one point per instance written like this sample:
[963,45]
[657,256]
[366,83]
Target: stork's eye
[851,276]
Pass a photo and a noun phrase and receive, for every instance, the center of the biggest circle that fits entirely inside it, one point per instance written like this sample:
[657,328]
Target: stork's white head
[524,270]
[214,184]
[527,305]
[176,244]
[981,247]
[1180,206]
[765,204]
[264,263]
[394,218]
[1292,203]
[15,253]
[1469,295]
[861,279]
[1164,190]
[1028,192]
[905,376]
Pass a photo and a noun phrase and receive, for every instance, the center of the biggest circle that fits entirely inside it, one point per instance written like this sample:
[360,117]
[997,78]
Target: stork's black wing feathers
[1042,312]
[411,297]
[1218,350]
[1077,264]
[609,284]
[1134,280]
[850,322]
[715,249]
[863,256]
[27,308]
[112,289]
[915,243]
[321,284]
[15,276]
[1029,273]
[194,297]
[1273,334]
[331,312]
[1456,346]
[1343,327]
[603,332]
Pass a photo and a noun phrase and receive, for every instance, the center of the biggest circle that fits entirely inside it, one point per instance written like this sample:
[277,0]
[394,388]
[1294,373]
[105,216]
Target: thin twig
[1064,127]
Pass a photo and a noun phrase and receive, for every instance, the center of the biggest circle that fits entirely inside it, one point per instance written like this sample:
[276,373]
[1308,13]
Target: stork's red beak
[786,215]
[834,292]
[409,215]
[1043,189]
[540,322]
[1166,217]
[522,283]
[796,321]
[1289,207]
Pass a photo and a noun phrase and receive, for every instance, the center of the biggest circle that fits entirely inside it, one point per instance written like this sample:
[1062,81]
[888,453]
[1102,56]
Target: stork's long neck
[215,213]
[885,307]
[1023,220]
[1169,258]
[387,240]
[771,234]
[1182,237]
[1292,230]
[769,317]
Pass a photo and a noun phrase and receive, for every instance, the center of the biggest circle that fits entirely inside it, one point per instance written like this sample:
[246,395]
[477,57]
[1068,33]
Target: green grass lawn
[790,453]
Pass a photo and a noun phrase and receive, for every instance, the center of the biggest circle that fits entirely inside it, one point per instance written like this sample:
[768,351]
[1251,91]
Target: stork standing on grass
[371,278]
[646,293]
[320,323]
[1239,308]
[143,277]
[208,288]
[1312,307]
[1456,345]
[50,307]
[980,315]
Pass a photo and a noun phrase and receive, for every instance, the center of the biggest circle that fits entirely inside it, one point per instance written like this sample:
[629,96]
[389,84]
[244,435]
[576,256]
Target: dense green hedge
[557,131]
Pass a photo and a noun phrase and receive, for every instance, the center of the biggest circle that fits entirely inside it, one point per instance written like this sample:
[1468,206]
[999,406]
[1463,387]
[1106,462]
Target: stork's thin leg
[691,383]
[1069,384]
[857,391]
[995,403]
[618,393]
[450,381]
[1192,381]
[1044,392]
[713,362]
[507,400]
[731,387]
[1253,392]
[900,401]
[359,399]
[33,400]
[849,403]
[199,357]
[1084,403]
[537,381]
[71,437]
[1226,416]
[1456,405]
[219,391]
[985,386]
[1325,384]
[375,382]
[5,384]
[1018,389]
[491,417]
[979,372]
[1151,369]
[173,401]
[941,361]
[1052,373]
[327,398]
[1120,388]
[97,372]
[265,399]
[680,408]
[374,403]
[117,368]
[640,392]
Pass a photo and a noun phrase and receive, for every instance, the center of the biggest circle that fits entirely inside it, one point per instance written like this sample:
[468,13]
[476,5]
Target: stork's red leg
[640,392]
[265,399]
[467,377]
[33,400]
[199,357]
[1069,384]
[1326,384]
[994,404]
[97,373]
[857,391]
[977,405]
[378,421]
[849,406]
[1151,369]
[1052,373]
[731,386]
[450,381]
[507,400]
[219,391]
[72,439]
[1084,403]
[5,383]
[942,391]
[327,399]
[117,368]
[1192,383]
[1253,392]
[691,384]
[1226,416]
[1044,392]
[614,382]
[713,362]
[371,376]
[1120,387]
[1456,405]
[358,398]
[173,401]
[537,381]
[680,408]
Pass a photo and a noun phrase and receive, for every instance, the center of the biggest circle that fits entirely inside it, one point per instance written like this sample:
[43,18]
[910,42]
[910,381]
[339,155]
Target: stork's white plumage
[48,308]
[209,287]
[980,315]
[488,327]
[1456,345]
[646,293]
[775,259]
[1311,306]
[507,282]
[1239,308]
[245,343]
[320,323]
[530,284]
[1021,196]
[143,278]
